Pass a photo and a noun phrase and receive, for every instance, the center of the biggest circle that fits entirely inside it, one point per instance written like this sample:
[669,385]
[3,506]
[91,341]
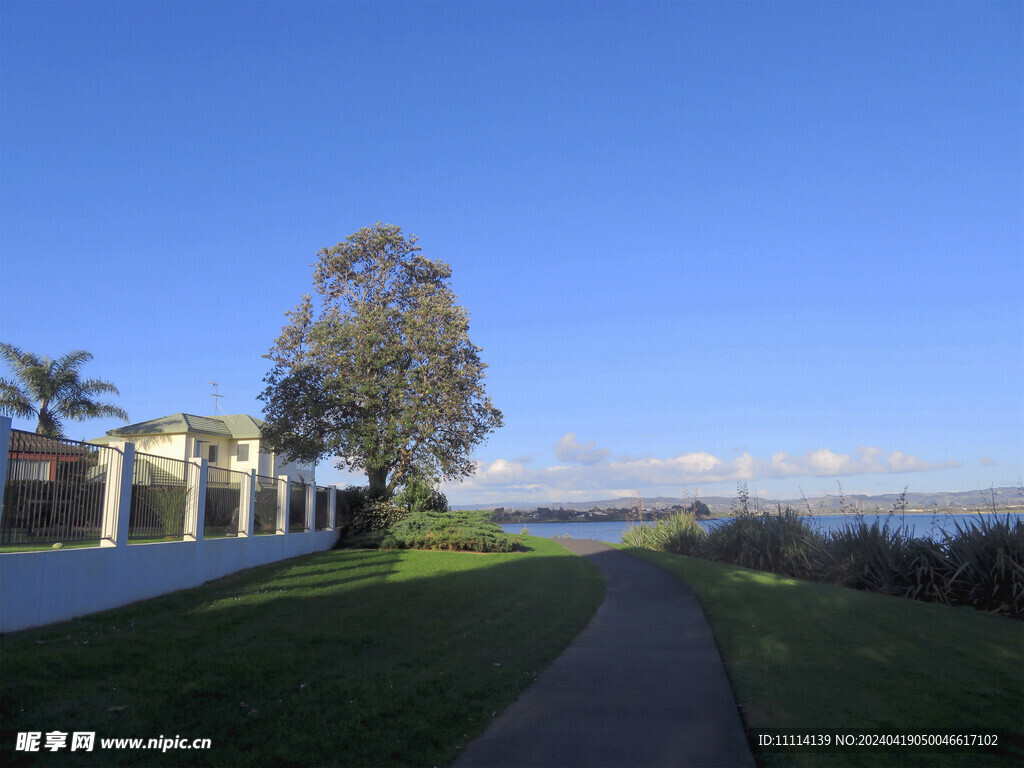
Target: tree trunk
[378,483]
[41,427]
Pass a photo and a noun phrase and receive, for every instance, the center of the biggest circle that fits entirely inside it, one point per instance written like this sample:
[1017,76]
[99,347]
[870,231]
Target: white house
[227,442]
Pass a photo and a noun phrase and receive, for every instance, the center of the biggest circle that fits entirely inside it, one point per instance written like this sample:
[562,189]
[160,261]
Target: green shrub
[168,504]
[349,501]
[977,565]
[780,543]
[879,558]
[419,495]
[358,514]
[375,515]
[641,536]
[466,531]
[986,564]
[679,533]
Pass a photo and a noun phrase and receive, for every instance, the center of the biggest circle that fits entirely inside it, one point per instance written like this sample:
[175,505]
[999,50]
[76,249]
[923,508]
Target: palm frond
[96,386]
[73,360]
[82,408]
[14,401]
[18,359]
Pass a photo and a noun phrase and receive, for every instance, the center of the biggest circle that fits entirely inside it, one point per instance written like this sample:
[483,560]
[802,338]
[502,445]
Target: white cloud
[569,450]
[501,472]
[987,462]
[905,462]
[589,472]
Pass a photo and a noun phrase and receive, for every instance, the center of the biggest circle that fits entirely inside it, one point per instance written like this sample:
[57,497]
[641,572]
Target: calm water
[922,526]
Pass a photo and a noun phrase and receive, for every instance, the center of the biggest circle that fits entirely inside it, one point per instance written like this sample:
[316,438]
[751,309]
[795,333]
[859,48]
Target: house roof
[236,427]
[29,443]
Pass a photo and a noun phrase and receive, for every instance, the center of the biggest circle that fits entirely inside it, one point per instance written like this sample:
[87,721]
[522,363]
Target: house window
[242,454]
[213,454]
[197,449]
[27,469]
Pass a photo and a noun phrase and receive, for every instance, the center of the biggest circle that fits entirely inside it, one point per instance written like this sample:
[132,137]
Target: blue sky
[699,242]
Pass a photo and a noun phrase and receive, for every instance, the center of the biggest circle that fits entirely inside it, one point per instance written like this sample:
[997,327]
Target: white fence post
[284,490]
[311,507]
[247,506]
[5,447]
[117,496]
[195,511]
[332,508]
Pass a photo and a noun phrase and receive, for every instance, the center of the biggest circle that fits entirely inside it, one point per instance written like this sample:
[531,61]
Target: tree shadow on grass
[358,659]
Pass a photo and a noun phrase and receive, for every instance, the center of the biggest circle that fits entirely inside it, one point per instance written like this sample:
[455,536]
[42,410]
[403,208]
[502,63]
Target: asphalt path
[643,685]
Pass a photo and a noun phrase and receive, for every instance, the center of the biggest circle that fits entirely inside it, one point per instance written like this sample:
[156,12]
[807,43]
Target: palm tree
[53,390]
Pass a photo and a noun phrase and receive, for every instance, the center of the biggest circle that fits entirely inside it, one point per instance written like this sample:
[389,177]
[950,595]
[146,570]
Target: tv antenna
[216,397]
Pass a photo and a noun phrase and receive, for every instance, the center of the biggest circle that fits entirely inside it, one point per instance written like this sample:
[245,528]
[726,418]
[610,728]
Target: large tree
[53,390]
[379,371]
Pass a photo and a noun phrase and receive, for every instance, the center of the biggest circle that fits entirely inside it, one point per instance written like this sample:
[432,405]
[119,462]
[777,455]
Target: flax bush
[986,565]
[782,543]
[874,558]
[682,534]
[642,536]
[679,533]
[980,565]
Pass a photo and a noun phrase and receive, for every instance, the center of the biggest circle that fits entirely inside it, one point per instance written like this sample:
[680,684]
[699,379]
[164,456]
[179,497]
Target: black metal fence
[266,505]
[296,507]
[159,498]
[223,501]
[322,517]
[54,492]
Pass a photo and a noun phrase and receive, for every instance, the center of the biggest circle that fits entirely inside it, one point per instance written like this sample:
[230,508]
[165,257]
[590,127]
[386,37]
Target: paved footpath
[643,685]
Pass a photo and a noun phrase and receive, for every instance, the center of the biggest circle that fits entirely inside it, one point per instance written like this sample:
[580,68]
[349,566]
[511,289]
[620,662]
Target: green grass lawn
[817,658]
[339,658]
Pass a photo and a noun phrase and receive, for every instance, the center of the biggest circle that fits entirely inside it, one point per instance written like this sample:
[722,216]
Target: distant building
[226,442]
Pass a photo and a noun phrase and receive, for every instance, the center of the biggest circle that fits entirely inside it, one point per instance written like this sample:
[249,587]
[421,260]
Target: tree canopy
[53,390]
[699,509]
[379,371]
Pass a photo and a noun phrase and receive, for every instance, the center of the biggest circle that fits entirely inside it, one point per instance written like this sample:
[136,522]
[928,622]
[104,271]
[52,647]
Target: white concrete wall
[39,588]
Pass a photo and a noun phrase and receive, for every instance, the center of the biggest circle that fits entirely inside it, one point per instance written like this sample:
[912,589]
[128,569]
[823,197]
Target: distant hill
[1004,497]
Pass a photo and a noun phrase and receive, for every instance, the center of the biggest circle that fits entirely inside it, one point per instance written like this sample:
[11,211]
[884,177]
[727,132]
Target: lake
[920,525]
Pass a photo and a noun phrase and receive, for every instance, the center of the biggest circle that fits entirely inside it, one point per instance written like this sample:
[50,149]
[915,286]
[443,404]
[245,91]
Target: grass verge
[347,657]
[817,658]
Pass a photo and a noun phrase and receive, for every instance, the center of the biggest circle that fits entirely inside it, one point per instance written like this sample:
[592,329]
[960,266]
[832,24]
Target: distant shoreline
[618,518]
